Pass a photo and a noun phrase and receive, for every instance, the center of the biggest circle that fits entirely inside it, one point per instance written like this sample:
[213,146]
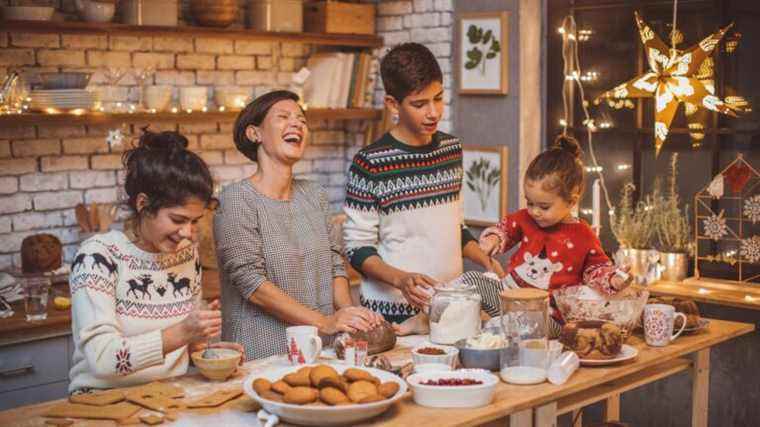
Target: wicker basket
[214,13]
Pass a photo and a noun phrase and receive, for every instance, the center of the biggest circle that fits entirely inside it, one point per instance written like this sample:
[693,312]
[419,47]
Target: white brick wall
[46,170]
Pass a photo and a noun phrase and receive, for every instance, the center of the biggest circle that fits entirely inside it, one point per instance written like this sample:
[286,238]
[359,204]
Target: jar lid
[523,294]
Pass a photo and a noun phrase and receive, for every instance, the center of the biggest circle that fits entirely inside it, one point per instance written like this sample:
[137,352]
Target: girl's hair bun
[568,144]
[162,141]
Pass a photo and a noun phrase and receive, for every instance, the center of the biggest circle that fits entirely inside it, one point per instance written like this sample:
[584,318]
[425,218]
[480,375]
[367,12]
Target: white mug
[658,324]
[304,344]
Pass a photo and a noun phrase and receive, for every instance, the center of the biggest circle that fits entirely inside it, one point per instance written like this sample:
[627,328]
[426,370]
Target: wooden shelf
[78,27]
[31,119]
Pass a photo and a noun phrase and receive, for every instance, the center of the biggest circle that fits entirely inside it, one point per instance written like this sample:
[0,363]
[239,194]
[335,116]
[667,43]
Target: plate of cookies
[325,395]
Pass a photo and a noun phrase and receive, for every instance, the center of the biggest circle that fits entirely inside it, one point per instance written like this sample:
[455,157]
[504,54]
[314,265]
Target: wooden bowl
[214,13]
[217,369]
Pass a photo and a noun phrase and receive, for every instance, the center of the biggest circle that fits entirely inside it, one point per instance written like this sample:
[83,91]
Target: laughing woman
[278,265]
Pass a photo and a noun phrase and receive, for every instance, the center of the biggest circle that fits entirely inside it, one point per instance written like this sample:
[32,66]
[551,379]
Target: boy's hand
[489,244]
[416,288]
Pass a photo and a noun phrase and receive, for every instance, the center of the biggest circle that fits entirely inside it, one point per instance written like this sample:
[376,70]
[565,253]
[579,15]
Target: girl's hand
[618,282]
[489,244]
[202,324]
[416,288]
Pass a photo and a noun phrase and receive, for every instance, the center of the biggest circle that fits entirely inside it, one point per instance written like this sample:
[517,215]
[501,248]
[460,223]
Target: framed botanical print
[484,189]
[483,55]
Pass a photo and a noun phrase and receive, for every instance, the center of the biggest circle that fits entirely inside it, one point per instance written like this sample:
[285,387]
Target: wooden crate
[336,17]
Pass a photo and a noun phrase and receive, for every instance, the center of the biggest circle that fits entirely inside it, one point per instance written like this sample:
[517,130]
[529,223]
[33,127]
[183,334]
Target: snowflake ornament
[715,226]
[752,208]
[115,138]
[751,249]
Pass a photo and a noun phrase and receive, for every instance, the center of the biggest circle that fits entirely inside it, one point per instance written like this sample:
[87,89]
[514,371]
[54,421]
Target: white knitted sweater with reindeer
[122,297]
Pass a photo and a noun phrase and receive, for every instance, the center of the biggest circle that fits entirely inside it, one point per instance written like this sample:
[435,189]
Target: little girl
[556,248]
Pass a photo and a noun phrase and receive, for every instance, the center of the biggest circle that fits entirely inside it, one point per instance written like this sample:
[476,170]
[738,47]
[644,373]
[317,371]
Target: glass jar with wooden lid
[524,318]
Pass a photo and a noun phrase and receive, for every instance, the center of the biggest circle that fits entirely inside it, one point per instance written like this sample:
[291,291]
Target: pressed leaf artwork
[482,179]
[484,47]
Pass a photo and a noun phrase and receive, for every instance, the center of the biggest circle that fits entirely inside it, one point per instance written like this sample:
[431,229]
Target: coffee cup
[304,344]
[658,324]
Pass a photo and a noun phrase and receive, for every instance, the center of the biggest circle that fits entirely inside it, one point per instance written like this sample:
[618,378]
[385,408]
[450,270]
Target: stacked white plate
[62,99]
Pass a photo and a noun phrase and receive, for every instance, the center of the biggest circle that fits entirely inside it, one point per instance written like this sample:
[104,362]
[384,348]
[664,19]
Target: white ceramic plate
[323,415]
[703,323]
[627,352]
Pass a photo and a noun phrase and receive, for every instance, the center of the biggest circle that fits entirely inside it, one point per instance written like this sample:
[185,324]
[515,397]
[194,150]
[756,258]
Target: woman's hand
[416,288]
[350,319]
[490,244]
[203,324]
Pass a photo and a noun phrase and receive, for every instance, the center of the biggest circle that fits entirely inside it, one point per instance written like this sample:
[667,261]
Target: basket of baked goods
[582,303]
[325,395]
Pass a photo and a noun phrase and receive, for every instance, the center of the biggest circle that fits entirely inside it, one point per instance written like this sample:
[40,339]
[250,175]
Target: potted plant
[633,227]
[672,229]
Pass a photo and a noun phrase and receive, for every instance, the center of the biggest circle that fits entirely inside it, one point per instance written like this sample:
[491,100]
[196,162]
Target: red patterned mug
[658,324]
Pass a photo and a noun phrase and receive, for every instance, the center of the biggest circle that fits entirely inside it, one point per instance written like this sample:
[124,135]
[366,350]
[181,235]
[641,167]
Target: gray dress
[284,242]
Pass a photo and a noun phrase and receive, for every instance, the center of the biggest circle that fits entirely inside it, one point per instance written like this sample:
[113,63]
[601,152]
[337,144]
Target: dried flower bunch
[671,224]
[633,225]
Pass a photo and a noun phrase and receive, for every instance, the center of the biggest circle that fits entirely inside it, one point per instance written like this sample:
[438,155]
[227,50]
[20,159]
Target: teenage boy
[405,227]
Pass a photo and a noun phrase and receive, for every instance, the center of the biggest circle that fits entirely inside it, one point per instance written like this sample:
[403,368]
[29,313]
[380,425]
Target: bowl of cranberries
[463,388]
[433,353]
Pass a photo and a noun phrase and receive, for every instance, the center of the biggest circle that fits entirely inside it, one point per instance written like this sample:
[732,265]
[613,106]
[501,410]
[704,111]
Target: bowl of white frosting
[482,351]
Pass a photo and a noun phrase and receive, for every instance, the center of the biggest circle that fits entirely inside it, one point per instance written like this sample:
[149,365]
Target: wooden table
[536,405]
[711,291]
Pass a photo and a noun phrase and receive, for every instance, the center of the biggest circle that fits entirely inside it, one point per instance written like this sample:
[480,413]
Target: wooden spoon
[83,218]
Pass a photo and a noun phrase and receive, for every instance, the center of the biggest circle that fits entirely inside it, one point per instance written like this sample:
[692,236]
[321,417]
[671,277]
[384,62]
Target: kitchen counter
[522,404]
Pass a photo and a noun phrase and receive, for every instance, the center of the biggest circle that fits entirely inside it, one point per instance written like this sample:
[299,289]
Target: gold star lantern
[675,76]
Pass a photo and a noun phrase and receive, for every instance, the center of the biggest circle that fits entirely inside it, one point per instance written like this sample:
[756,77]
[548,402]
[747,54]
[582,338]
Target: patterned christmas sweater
[403,204]
[566,254]
[122,297]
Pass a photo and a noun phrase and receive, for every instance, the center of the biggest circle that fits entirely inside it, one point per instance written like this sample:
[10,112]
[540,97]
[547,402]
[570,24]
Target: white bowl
[447,359]
[432,367]
[323,415]
[463,396]
[158,97]
[231,97]
[193,97]
[28,13]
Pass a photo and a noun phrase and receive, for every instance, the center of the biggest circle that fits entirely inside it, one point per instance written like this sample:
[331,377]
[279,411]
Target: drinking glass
[36,292]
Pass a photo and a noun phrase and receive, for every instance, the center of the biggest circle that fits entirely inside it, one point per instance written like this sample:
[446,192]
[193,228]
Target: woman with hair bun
[279,266]
[136,293]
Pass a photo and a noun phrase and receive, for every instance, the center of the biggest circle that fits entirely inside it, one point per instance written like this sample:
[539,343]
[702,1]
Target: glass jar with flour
[454,313]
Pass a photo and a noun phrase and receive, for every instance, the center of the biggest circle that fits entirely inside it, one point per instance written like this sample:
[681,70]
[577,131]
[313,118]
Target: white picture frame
[484,56]
[484,184]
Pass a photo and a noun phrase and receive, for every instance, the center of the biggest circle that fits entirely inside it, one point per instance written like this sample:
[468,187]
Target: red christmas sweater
[566,254]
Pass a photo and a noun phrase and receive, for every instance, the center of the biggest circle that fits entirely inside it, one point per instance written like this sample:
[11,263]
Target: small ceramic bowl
[448,358]
[220,368]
